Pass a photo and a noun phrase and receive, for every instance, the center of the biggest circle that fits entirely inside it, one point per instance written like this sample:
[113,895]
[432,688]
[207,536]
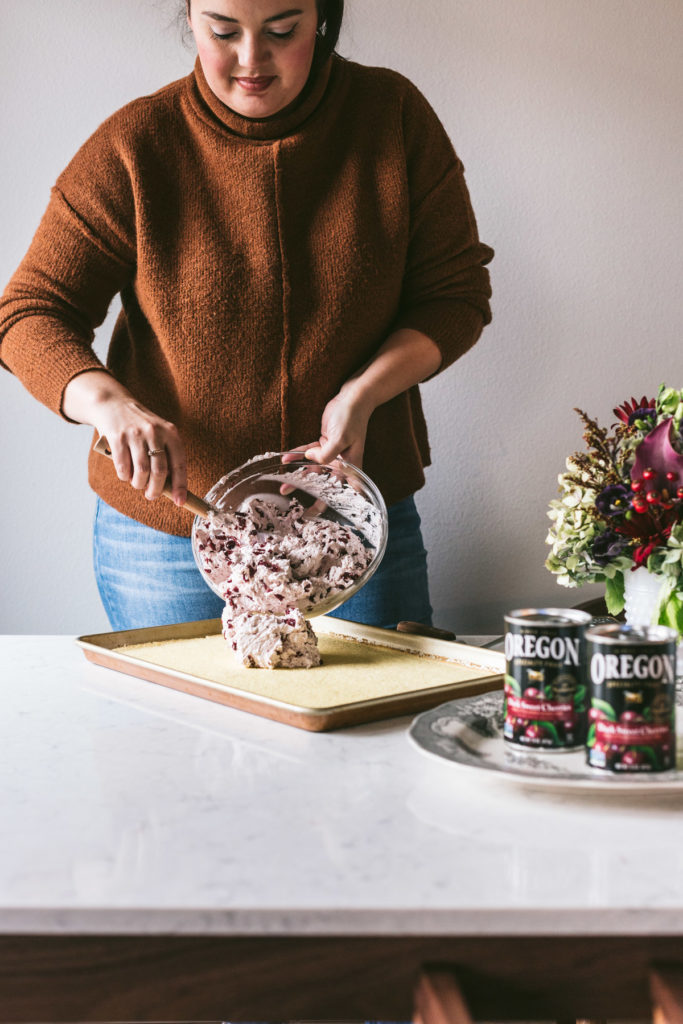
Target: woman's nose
[253,51]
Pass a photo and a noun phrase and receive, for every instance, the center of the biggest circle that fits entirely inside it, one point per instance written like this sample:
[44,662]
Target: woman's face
[256,54]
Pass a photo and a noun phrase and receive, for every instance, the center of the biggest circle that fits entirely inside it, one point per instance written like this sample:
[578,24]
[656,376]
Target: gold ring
[156,451]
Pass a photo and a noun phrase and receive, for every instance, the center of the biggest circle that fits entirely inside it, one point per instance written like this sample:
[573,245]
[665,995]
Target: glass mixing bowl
[339,492]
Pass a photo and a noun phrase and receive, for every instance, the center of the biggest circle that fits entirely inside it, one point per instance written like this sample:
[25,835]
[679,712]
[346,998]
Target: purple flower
[615,500]
[644,413]
[657,454]
[606,546]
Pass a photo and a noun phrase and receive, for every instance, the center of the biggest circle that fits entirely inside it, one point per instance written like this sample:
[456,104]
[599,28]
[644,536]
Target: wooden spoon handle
[193,503]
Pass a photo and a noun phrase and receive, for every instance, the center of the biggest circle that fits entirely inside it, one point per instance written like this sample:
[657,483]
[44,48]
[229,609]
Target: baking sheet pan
[367,673]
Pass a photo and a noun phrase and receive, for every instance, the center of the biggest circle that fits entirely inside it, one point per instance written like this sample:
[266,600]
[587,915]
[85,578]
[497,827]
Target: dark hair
[330,16]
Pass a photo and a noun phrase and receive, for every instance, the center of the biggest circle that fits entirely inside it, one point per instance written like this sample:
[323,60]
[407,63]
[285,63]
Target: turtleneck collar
[278,126]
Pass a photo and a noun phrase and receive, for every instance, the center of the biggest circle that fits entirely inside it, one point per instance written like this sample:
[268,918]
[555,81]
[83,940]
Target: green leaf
[650,754]
[671,613]
[549,727]
[514,685]
[579,696]
[606,708]
[590,740]
[614,594]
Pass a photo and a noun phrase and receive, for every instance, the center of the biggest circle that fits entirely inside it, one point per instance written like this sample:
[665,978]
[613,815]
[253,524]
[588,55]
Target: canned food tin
[632,693]
[545,685]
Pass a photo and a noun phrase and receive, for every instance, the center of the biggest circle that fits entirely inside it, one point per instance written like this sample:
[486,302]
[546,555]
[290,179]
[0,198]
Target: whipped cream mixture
[273,560]
[261,640]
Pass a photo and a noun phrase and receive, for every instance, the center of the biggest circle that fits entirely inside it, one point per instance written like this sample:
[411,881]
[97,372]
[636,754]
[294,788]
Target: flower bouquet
[621,505]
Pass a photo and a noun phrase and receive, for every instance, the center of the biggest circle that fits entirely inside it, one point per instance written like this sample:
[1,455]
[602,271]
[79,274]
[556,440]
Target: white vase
[641,596]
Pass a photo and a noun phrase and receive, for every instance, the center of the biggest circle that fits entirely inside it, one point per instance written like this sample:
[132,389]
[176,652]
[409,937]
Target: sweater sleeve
[81,255]
[446,288]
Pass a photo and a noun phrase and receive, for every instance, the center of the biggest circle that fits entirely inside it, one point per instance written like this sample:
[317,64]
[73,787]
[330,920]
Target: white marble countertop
[131,808]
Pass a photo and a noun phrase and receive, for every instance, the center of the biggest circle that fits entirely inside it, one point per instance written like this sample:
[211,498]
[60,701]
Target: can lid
[622,633]
[548,617]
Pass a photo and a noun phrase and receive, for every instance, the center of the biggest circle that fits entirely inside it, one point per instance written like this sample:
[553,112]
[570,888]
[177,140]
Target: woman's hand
[405,359]
[343,428]
[146,449]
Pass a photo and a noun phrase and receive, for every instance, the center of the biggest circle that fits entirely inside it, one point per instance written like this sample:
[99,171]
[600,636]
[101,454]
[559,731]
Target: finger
[294,453]
[177,468]
[353,480]
[158,469]
[317,508]
[325,452]
[141,463]
[314,452]
[354,454]
[121,457]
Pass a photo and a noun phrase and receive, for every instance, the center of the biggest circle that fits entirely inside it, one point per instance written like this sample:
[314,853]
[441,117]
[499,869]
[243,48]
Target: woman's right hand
[132,431]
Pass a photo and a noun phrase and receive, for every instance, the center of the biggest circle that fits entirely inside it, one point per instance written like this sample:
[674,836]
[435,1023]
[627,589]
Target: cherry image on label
[632,690]
[545,685]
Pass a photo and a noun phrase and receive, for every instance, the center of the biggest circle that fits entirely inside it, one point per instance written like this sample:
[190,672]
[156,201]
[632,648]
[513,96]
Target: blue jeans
[149,578]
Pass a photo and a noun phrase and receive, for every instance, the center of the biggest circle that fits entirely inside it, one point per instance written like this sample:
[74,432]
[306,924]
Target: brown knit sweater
[260,264]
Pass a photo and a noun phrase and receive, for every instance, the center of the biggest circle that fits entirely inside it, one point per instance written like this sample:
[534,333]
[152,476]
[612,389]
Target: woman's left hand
[343,429]
[406,358]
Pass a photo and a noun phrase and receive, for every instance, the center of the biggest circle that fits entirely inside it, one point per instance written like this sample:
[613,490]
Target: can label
[545,687]
[632,689]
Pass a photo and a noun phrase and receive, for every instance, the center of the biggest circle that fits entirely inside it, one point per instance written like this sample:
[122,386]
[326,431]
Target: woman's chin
[263,104]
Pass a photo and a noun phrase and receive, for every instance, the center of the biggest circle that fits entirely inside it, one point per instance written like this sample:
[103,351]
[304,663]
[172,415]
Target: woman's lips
[259,84]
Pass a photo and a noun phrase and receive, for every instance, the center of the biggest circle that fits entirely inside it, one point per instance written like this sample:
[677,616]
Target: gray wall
[566,114]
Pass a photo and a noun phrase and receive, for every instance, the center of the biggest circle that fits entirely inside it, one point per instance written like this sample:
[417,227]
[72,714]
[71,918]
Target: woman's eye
[273,35]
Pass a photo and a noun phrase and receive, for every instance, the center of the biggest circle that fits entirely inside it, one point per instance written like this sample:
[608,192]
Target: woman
[295,250]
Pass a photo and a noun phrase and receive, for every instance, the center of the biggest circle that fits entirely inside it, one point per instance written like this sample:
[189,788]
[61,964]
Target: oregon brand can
[632,693]
[545,684]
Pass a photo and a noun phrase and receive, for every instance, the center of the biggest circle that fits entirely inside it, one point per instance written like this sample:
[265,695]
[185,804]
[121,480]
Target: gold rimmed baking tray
[367,673]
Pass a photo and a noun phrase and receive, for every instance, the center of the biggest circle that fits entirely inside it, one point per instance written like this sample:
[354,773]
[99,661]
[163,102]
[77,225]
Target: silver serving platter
[468,733]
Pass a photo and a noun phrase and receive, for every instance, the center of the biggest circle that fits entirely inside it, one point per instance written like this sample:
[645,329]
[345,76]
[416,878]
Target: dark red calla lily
[656,456]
